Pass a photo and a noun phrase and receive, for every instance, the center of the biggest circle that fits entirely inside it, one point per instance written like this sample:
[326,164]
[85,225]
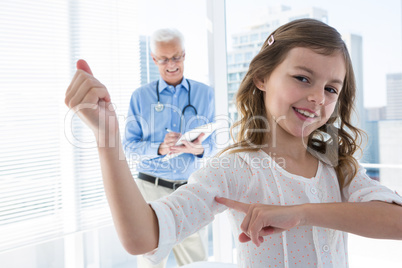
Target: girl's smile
[305,114]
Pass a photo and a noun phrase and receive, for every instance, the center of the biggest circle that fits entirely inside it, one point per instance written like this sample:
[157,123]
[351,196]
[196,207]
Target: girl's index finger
[238,206]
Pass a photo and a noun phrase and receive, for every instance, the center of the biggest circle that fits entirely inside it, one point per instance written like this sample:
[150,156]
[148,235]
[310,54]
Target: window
[230,58]
[233,77]
[235,40]
[238,57]
[232,87]
[248,56]
[51,186]
[243,39]
[254,37]
[50,183]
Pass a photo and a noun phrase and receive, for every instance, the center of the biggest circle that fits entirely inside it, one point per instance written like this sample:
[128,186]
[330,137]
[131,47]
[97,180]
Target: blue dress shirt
[146,128]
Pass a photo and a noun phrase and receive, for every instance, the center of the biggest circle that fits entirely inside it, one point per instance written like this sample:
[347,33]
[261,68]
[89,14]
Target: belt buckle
[174,187]
[177,185]
[156,181]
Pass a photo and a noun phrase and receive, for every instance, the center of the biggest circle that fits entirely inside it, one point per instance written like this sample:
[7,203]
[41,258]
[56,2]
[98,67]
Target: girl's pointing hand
[262,220]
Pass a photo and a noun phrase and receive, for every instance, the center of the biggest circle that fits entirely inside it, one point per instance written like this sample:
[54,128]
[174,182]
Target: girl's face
[301,93]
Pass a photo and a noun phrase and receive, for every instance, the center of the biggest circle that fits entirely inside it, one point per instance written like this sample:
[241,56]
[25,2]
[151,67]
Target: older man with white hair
[159,113]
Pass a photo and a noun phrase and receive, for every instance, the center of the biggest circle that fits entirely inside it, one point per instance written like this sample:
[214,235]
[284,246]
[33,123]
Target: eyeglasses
[173,59]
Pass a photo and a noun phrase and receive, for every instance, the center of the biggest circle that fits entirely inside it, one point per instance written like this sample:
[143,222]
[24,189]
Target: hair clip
[271,40]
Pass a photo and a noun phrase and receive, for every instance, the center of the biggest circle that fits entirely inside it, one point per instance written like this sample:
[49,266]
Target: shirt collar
[163,85]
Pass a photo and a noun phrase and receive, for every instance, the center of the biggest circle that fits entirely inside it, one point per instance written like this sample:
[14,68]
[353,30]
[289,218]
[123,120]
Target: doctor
[159,113]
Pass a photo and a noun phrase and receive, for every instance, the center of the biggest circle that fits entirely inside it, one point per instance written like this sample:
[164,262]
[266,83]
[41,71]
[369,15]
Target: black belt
[160,181]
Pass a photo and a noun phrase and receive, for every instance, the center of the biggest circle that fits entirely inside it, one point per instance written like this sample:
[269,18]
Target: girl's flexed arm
[373,219]
[135,221]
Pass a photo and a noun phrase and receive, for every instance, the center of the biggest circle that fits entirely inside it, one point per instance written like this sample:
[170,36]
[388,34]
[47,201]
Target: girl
[291,168]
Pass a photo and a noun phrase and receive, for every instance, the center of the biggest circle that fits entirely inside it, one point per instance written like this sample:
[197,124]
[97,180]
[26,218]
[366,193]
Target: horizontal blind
[31,45]
[108,40]
[50,184]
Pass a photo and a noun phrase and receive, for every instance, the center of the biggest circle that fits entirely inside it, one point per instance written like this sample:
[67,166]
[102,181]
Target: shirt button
[174,125]
[325,248]
[313,190]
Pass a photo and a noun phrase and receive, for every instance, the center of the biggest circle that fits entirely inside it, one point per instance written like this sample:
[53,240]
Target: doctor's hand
[192,147]
[262,220]
[170,140]
[91,101]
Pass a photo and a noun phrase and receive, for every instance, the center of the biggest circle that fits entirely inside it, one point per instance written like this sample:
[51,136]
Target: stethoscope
[159,107]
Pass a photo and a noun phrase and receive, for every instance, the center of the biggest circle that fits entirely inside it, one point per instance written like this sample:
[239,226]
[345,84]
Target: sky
[378,22]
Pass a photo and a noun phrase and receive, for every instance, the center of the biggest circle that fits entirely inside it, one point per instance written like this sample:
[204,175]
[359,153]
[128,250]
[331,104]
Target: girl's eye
[331,90]
[301,79]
